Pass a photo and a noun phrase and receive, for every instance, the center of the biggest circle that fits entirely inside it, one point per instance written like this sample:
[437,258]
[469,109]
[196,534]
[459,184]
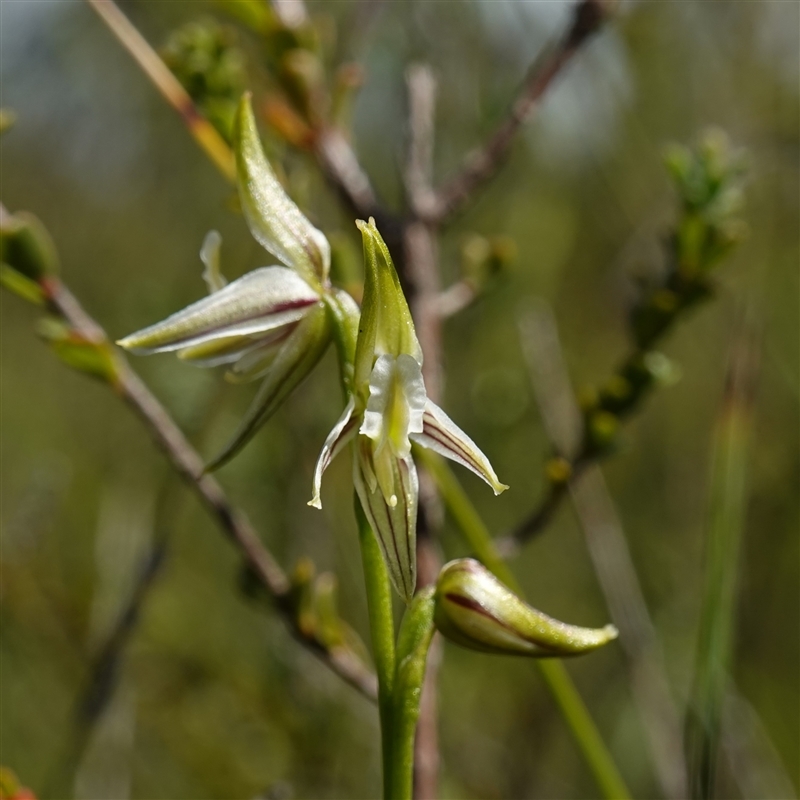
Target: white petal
[395,526]
[443,436]
[209,255]
[341,433]
[396,403]
[259,301]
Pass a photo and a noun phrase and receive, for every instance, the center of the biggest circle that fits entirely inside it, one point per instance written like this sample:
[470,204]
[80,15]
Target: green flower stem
[413,642]
[556,677]
[381,624]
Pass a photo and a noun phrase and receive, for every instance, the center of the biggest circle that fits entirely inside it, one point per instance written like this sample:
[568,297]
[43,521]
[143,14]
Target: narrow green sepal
[272,216]
[298,356]
[386,325]
[21,285]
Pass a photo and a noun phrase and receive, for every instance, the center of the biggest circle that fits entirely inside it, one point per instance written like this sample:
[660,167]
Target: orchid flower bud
[388,411]
[474,609]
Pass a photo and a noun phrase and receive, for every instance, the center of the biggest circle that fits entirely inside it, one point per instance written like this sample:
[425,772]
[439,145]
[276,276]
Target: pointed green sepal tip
[272,216]
[386,325]
[474,609]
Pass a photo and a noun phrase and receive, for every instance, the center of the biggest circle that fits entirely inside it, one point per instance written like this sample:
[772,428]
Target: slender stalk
[482,164]
[201,130]
[608,549]
[189,465]
[413,642]
[556,677]
[728,501]
[381,624]
[582,726]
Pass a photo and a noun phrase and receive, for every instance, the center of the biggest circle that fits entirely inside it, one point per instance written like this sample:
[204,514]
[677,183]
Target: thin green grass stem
[715,639]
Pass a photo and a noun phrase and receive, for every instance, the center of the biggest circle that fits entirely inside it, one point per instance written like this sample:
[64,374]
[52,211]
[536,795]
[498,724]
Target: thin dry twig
[341,167]
[421,273]
[609,553]
[203,132]
[455,298]
[190,466]
[481,165]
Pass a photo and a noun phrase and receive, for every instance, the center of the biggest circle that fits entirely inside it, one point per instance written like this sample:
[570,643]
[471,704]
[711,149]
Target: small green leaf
[26,246]
[75,350]
[20,285]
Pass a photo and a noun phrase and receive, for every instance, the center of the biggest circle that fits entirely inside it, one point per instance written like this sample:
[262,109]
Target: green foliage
[205,57]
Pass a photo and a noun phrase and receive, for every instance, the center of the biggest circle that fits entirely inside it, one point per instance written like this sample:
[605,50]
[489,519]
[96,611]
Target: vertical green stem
[381,624]
[413,642]
[556,677]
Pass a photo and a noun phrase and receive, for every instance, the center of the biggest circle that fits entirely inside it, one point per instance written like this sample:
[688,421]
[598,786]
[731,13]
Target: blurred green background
[214,699]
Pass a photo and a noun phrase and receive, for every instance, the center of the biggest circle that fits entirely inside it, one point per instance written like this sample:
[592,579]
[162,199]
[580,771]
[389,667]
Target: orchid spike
[388,411]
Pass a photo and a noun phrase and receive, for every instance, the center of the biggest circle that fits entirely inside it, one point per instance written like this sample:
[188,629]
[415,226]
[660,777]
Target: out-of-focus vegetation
[214,699]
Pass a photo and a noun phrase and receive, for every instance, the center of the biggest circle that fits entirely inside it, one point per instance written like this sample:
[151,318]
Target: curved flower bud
[474,609]
[273,218]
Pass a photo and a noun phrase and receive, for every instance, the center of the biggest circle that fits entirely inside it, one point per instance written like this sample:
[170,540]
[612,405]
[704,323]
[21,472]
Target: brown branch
[609,552]
[421,121]
[421,275]
[340,165]
[481,165]
[190,466]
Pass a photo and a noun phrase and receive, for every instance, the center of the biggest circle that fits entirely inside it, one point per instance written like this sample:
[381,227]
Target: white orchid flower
[271,323]
[389,410]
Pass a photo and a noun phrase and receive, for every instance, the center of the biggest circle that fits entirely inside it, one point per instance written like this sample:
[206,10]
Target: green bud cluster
[205,57]
[708,180]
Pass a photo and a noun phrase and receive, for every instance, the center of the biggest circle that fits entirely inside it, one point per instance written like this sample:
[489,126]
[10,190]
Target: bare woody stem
[190,466]
[483,164]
